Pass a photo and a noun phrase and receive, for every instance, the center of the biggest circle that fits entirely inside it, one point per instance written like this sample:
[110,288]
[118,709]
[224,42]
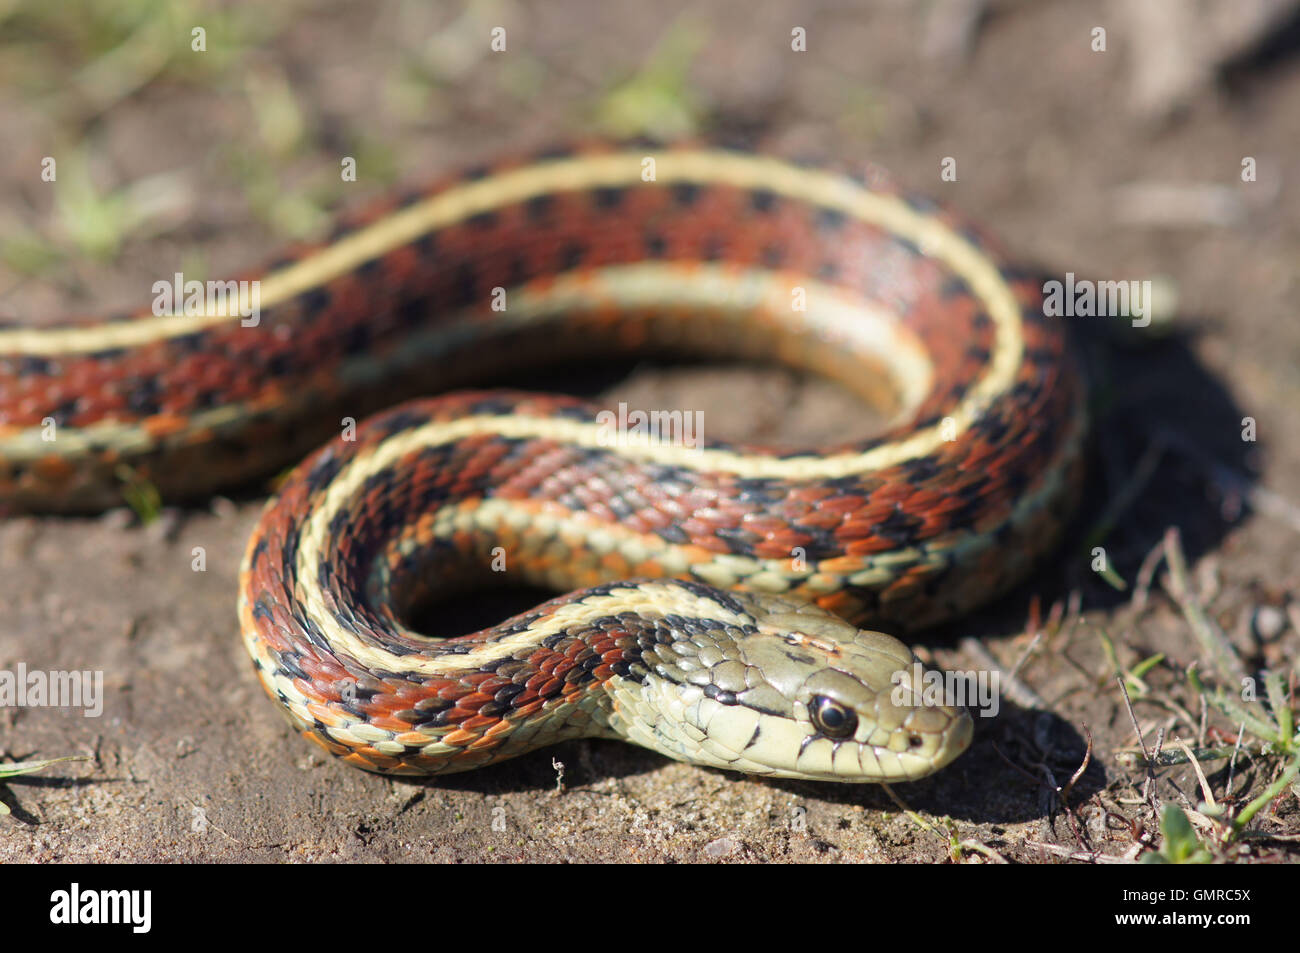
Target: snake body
[719,586]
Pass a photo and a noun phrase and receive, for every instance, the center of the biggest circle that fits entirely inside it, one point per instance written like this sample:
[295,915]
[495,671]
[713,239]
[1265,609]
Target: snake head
[786,689]
[853,710]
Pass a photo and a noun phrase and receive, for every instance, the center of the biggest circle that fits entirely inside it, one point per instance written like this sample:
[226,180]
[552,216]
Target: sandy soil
[189,762]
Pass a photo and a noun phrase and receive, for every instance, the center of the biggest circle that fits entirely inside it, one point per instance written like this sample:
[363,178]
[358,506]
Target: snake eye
[831,718]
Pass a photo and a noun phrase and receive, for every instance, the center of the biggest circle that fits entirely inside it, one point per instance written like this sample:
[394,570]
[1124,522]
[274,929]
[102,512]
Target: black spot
[283,261]
[357,338]
[739,540]
[426,246]
[932,421]
[761,200]
[921,469]
[143,398]
[539,207]
[339,230]
[413,311]
[908,246]
[719,695]
[315,301]
[324,470]
[898,526]
[554,152]
[465,288]
[65,411]
[263,611]
[37,366]
[518,271]
[279,364]
[571,256]
[411,197]
[686,194]
[922,203]
[189,343]
[673,534]
[709,592]
[289,662]
[608,198]
[954,286]
[655,245]
[830,219]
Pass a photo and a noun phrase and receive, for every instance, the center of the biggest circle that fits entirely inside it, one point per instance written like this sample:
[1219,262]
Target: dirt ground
[171,159]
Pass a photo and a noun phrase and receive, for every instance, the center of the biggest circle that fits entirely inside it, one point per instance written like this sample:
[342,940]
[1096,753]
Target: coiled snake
[719,585]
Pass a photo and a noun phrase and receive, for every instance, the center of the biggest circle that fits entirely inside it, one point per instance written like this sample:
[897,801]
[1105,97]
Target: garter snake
[719,586]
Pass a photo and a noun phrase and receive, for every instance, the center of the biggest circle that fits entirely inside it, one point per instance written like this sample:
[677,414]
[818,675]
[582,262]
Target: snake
[716,591]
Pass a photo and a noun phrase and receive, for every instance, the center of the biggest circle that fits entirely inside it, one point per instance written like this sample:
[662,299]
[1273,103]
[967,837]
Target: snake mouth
[953,742]
[926,739]
[910,754]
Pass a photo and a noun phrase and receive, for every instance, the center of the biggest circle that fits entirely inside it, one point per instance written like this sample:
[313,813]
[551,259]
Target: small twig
[1012,687]
[1236,749]
[1069,854]
[1137,729]
[916,818]
[1032,779]
[1148,786]
[1024,657]
[1146,573]
[1206,791]
[1151,778]
[1087,757]
[977,847]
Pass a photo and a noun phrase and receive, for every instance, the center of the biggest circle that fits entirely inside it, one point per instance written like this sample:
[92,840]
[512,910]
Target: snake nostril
[915,741]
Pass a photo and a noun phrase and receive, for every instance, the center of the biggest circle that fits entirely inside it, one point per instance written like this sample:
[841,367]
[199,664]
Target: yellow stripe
[834,316]
[826,189]
[575,614]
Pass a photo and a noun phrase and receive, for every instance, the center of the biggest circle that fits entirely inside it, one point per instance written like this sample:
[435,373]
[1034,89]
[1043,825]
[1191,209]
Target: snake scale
[718,586]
